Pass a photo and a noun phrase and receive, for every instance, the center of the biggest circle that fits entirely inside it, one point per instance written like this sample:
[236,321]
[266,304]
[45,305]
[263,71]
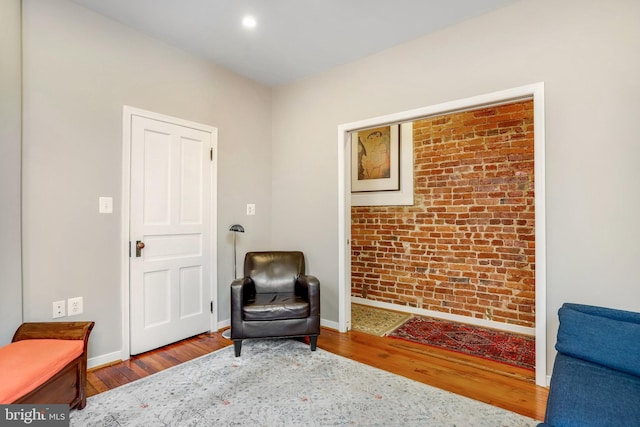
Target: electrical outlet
[251,209]
[58,309]
[75,306]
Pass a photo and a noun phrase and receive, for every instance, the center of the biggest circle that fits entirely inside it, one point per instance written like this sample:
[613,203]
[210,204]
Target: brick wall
[467,245]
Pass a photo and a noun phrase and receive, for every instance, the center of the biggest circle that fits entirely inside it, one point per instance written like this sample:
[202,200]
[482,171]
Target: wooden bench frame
[69,385]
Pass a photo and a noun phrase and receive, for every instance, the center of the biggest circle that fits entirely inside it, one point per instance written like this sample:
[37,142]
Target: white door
[170,231]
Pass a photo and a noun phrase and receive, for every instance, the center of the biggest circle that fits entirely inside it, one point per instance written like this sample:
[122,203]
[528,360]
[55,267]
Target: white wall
[10,139]
[79,70]
[586,53]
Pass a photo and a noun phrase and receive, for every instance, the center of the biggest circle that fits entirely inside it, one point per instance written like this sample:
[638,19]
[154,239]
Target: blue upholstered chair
[596,375]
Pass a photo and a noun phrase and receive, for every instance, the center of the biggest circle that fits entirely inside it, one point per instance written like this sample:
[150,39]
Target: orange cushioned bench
[46,363]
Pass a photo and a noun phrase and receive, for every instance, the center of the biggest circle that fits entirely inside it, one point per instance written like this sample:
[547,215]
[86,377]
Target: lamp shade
[237,228]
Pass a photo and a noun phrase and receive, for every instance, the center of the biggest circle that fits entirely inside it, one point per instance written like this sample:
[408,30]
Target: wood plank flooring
[494,383]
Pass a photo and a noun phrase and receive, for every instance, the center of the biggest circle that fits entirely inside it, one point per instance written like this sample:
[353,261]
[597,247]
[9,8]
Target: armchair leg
[313,340]
[237,346]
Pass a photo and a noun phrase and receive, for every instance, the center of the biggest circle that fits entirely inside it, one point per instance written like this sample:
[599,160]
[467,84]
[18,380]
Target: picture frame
[375,159]
[403,196]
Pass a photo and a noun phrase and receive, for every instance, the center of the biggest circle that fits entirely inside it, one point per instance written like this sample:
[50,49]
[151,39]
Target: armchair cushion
[274,271]
[601,335]
[275,306]
[586,394]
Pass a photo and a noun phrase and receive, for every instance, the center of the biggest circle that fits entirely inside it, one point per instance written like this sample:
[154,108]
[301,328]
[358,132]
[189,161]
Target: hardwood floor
[494,383]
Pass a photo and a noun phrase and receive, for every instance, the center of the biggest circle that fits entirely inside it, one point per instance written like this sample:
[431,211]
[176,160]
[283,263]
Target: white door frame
[535,91]
[128,113]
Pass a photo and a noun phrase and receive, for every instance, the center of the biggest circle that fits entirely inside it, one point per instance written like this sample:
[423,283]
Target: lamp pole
[236,228]
[235,257]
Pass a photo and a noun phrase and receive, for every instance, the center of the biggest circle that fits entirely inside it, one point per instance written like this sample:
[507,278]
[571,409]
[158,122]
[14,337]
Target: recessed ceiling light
[249,21]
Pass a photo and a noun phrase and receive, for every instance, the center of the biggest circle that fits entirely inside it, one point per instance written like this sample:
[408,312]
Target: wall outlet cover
[75,306]
[58,309]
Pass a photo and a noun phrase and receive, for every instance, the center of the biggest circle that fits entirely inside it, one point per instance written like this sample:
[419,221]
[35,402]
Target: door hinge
[211,307]
[211,154]
[129,249]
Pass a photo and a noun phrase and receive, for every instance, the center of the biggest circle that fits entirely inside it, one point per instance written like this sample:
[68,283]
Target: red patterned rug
[505,347]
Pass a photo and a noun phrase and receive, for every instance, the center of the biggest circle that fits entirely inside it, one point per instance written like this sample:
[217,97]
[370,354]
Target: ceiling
[293,39]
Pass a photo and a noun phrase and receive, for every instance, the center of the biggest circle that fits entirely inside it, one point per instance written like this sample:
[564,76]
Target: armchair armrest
[241,290]
[308,287]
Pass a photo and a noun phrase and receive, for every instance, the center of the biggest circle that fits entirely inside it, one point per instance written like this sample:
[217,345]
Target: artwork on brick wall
[375,159]
[467,244]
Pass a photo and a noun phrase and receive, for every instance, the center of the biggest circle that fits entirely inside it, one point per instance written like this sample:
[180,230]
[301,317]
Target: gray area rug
[283,383]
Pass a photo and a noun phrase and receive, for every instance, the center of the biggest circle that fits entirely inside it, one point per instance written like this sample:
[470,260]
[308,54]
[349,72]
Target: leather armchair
[275,299]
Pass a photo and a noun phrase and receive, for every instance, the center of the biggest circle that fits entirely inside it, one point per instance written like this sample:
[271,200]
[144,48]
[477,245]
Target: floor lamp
[236,228]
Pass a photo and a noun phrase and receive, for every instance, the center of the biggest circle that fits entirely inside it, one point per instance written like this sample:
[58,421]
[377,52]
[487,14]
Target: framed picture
[377,191]
[375,159]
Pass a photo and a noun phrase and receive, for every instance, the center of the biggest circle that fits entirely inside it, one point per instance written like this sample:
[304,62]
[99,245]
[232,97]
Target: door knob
[139,248]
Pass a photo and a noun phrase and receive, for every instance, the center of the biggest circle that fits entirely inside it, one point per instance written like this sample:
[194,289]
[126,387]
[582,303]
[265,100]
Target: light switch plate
[105,204]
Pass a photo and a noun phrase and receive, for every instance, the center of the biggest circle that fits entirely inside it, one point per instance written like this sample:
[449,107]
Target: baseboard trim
[447,316]
[223,324]
[105,359]
[329,324]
